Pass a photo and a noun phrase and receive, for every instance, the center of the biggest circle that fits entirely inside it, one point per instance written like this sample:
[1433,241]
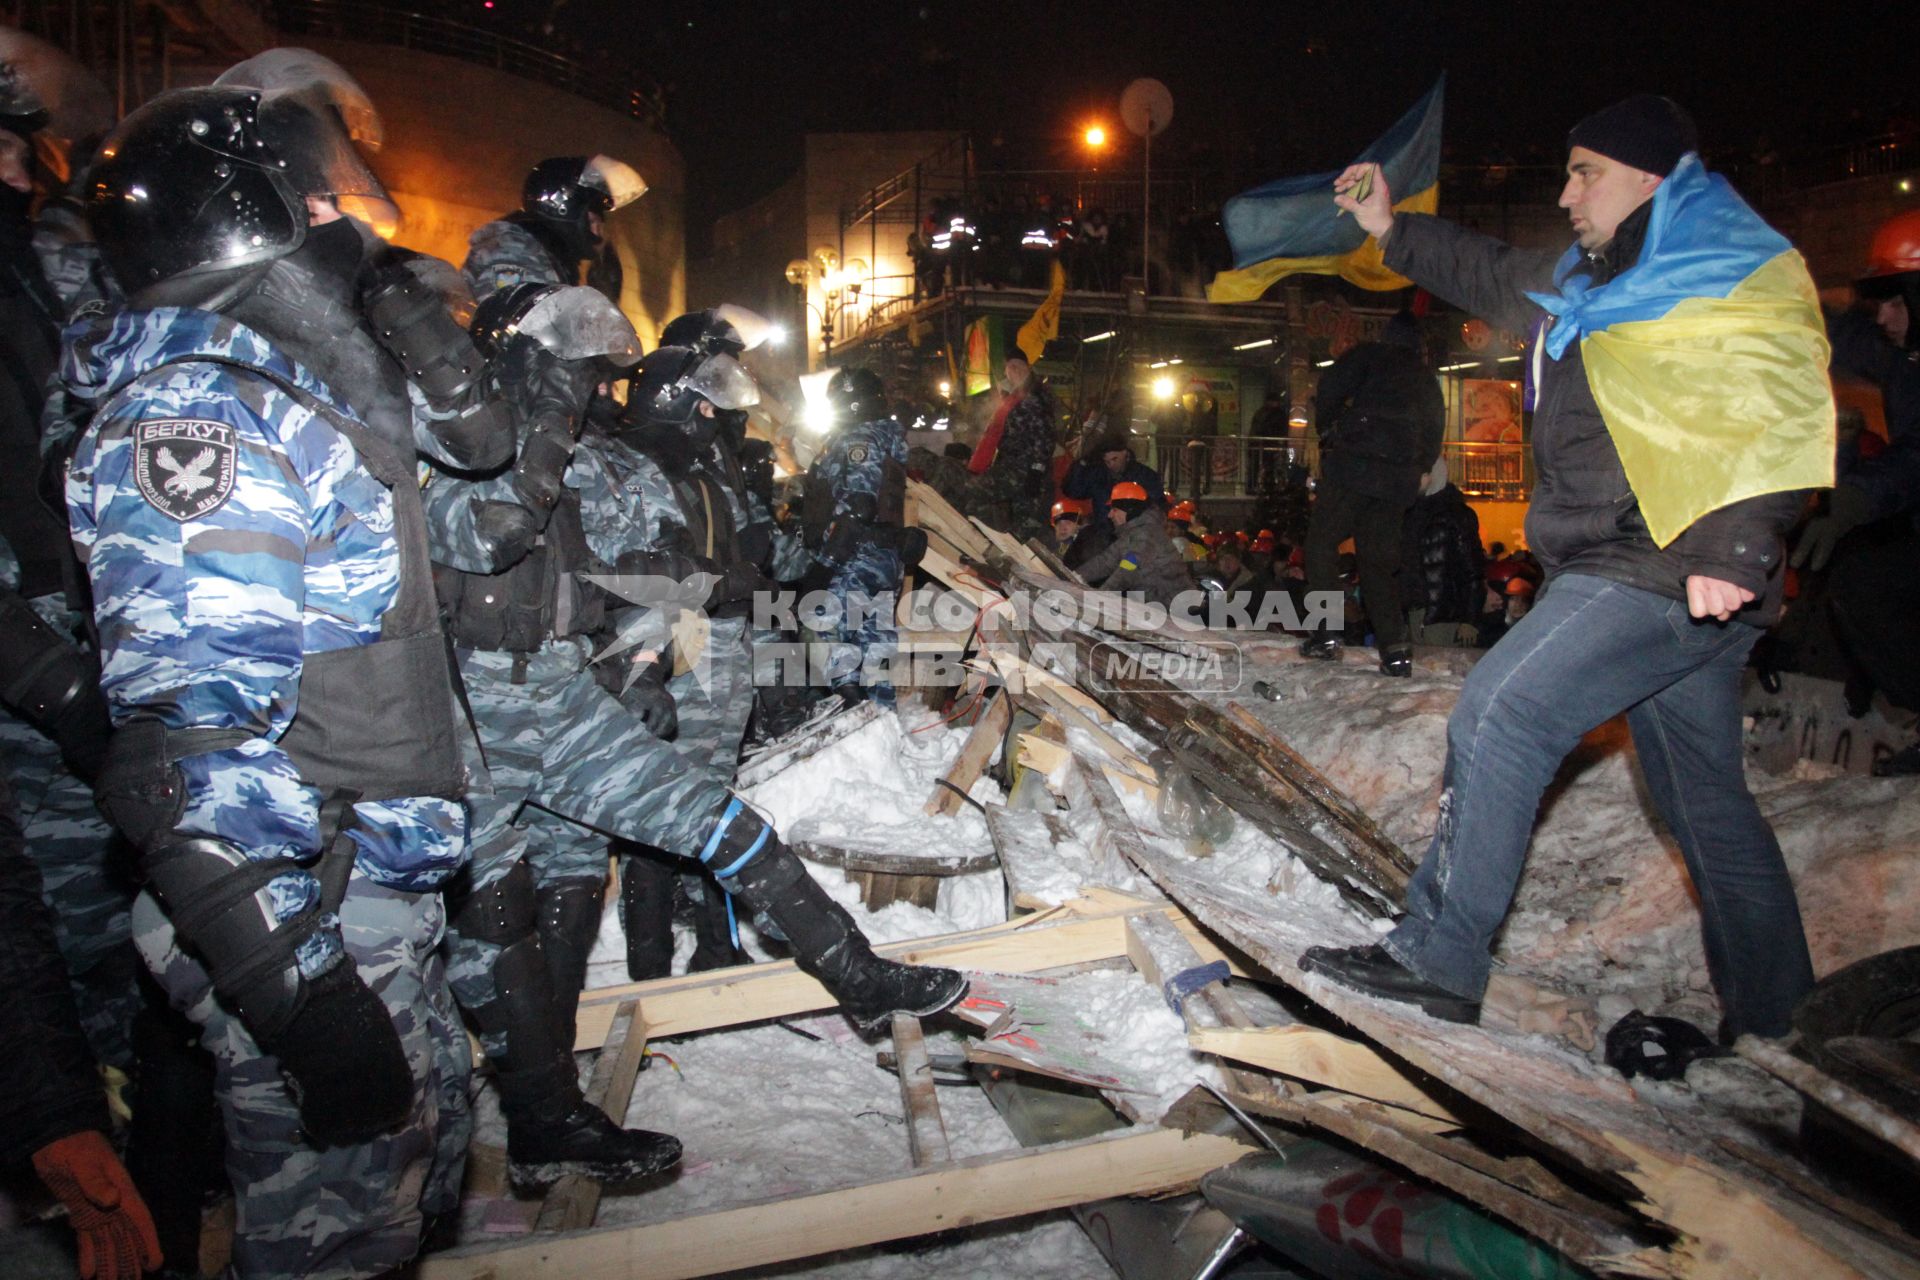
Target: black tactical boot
[712,933]
[646,909]
[1397,662]
[569,921]
[554,1132]
[1322,648]
[826,942]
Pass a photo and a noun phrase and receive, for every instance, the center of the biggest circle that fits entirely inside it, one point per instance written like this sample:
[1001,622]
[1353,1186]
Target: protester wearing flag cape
[1681,410]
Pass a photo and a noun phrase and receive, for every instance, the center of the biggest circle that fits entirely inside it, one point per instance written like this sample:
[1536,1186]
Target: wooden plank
[1870,1117]
[935,514]
[1596,1237]
[1162,954]
[926,1131]
[1091,928]
[1308,1053]
[1027,841]
[1115,841]
[956,578]
[982,741]
[574,1201]
[963,1193]
[781,756]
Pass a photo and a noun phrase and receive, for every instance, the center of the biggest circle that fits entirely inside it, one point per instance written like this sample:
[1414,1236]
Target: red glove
[117,1239]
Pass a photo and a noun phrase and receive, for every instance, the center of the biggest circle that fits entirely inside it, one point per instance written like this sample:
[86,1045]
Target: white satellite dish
[1146,107]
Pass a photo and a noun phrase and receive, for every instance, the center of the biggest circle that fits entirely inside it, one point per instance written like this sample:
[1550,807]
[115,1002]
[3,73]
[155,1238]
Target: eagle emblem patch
[184,467]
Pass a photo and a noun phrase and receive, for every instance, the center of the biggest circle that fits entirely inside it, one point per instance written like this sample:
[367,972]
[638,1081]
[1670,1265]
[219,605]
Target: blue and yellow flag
[1292,225]
[1708,356]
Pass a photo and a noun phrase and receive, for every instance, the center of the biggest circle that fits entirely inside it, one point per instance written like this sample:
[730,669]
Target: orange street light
[1095,136]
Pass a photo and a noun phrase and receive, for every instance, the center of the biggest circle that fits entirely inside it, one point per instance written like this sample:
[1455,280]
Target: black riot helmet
[723,330]
[857,395]
[188,201]
[562,191]
[672,381]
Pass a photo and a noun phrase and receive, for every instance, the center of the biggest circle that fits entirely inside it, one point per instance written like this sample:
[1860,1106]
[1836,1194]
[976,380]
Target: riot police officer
[288,753]
[564,204]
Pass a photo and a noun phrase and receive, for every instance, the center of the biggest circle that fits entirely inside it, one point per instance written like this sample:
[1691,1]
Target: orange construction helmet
[1078,508]
[1263,543]
[1128,489]
[1215,541]
[1895,253]
[1182,510]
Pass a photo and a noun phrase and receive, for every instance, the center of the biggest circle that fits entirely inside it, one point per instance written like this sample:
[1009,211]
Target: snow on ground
[1603,908]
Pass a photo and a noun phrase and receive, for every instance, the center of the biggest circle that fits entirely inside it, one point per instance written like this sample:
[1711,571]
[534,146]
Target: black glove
[343,1061]
[737,584]
[648,698]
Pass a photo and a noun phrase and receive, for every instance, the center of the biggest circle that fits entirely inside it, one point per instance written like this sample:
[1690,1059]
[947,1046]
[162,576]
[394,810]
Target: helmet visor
[621,182]
[317,118]
[576,323]
[753,328]
[721,380]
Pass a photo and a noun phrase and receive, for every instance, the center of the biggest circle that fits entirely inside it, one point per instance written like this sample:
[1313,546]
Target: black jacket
[49,1086]
[1091,479]
[1443,568]
[1381,420]
[1584,517]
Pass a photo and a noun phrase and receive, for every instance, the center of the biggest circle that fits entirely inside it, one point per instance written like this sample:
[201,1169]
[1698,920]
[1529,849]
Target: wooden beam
[1308,1053]
[1872,1118]
[982,1189]
[1092,927]
[574,1201]
[982,741]
[926,1131]
[1164,957]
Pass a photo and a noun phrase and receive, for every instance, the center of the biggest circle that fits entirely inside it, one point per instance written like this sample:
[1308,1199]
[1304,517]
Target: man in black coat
[1625,624]
[1381,420]
[1442,568]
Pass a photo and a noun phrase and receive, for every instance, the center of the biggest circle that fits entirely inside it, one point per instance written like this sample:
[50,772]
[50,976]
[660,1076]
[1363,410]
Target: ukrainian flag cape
[1292,225]
[1708,356]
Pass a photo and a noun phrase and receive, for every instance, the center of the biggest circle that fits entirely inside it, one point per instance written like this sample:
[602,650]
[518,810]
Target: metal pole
[1146,211]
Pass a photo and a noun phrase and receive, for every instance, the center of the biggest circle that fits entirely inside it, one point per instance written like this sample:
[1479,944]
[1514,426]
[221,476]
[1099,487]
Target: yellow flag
[1044,327]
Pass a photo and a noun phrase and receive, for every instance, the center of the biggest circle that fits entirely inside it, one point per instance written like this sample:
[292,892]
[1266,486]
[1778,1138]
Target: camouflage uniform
[558,745]
[503,253]
[1019,484]
[231,530]
[865,572]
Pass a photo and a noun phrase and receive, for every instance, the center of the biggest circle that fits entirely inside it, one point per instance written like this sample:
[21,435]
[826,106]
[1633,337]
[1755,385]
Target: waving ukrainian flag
[1708,356]
[1292,225]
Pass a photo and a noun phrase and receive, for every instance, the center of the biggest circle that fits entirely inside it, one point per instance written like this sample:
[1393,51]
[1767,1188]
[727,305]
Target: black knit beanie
[1645,131]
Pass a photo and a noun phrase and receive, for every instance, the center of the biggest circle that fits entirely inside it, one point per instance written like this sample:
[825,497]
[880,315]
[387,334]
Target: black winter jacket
[1584,517]
[1443,568]
[1381,421]
[49,1087]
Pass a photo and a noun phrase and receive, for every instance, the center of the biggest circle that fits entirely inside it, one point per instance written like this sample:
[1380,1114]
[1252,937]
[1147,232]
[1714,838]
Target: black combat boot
[1397,662]
[712,929]
[569,922]
[646,909]
[552,1130]
[759,870]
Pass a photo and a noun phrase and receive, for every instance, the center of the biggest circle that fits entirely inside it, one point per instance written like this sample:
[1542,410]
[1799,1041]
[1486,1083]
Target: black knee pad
[501,913]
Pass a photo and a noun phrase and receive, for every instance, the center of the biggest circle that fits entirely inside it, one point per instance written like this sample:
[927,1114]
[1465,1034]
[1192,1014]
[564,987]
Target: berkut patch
[184,466]
[857,455]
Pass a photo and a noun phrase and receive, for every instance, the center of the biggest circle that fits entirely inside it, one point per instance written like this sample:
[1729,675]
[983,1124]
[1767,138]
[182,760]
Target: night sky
[1260,90]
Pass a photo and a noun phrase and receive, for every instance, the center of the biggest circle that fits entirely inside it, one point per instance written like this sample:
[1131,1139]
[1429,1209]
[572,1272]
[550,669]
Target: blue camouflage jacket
[853,465]
[229,531]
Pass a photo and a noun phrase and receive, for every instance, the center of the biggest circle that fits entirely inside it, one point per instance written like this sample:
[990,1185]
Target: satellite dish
[1146,107]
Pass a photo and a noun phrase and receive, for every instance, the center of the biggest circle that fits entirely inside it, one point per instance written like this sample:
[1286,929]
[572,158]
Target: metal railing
[1253,466]
[631,95]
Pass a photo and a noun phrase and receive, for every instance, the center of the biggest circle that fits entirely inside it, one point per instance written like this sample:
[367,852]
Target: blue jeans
[1588,651]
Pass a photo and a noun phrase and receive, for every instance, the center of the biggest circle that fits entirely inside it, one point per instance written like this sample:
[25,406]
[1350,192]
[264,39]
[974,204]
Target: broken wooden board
[1043,862]
[1673,1164]
[1308,1053]
[1193,988]
[1866,1114]
[1110,832]
[844,853]
[1585,1230]
[804,743]
[1042,1029]
[926,1131]
[574,1201]
[965,1192]
[1093,927]
[983,739]
[937,516]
